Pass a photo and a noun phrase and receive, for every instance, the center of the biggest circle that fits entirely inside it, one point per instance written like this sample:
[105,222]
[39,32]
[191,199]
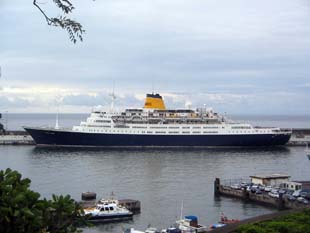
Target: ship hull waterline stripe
[78,139]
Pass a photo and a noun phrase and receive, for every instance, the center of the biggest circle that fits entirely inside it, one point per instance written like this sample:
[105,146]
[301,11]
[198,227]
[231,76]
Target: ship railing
[286,131]
[229,182]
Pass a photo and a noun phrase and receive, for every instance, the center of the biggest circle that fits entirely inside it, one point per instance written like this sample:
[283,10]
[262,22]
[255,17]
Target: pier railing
[229,182]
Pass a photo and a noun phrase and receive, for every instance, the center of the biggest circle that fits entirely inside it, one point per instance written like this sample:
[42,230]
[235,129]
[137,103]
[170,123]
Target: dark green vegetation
[292,223]
[74,28]
[21,210]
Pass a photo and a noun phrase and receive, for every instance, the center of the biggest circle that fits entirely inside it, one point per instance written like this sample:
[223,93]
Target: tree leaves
[74,28]
[292,223]
[65,5]
[21,210]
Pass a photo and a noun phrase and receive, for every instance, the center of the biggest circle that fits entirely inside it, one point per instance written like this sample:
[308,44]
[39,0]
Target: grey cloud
[16,102]
[232,48]
[84,100]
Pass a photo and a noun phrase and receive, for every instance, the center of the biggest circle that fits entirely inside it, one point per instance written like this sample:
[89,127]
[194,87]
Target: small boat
[154,230]
[217,225]
[108,210]
[190,224]
[225,220]
[132,230]
[171,230]
[187,225]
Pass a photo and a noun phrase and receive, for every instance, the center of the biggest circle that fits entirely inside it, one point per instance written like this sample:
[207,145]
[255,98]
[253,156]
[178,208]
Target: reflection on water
[160,178]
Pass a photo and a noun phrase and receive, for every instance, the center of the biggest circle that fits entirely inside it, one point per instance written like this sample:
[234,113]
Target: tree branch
[74,28]
[48,20]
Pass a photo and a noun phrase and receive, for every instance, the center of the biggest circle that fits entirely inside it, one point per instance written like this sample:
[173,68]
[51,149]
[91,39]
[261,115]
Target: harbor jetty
[275,190]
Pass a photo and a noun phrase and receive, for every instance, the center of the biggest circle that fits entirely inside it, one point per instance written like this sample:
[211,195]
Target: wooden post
[280,203]
[217,184]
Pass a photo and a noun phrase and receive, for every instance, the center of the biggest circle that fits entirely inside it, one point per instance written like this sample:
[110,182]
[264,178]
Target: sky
[236,56]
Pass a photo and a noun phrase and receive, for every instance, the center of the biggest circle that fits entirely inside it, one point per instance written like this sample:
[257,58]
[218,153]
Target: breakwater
[300,137]
[16,138]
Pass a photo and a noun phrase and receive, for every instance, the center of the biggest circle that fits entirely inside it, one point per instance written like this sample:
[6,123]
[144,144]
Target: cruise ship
[155,126]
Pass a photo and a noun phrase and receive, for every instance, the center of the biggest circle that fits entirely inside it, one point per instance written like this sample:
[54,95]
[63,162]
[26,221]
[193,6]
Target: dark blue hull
[68,138]
[111,218]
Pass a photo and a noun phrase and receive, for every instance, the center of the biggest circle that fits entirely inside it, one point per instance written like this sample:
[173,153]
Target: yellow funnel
[154,101]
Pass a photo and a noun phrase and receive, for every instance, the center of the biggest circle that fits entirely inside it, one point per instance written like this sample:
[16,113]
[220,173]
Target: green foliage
[21,210]
[292,223]
[74,28]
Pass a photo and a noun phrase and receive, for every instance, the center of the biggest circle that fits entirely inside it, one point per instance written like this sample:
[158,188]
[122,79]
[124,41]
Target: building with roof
[273,180]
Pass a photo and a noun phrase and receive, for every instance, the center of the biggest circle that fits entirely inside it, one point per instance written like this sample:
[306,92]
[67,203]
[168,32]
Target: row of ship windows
[149,132]
[103,121]
[163,132]
[159,127]
[176,127]
[185,127]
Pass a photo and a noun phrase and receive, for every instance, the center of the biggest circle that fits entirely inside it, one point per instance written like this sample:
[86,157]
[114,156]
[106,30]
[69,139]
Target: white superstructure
[163,122]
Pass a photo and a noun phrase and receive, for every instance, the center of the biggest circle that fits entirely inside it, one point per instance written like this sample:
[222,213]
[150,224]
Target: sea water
[162,179]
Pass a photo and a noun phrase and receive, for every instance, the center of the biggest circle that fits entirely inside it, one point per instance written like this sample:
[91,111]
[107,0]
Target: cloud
[304,85]
[15,102]
[84,100]
[231,54]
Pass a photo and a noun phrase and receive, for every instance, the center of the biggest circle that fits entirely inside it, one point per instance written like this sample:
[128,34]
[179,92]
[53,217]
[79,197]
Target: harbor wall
[16,138]
[300,137]
[263,198]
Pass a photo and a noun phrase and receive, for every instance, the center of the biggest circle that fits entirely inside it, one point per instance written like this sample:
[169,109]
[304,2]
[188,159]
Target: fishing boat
[107,210]
[190,224]
[155,126]
[225,220]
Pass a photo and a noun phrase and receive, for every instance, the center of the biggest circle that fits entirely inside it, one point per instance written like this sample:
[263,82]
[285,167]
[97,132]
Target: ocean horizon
[16,121]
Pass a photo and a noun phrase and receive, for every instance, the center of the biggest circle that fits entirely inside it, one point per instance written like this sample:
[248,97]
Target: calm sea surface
[160,178]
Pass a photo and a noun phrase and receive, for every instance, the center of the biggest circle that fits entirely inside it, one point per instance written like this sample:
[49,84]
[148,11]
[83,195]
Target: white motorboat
[107,210]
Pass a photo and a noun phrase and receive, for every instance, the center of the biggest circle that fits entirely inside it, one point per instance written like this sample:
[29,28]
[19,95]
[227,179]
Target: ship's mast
[56,123]
[182,205]
[57,112]
[113,96]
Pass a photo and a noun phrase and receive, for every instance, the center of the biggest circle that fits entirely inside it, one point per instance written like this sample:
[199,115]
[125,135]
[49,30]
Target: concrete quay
[264,199]
[16,138]
[300,137]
